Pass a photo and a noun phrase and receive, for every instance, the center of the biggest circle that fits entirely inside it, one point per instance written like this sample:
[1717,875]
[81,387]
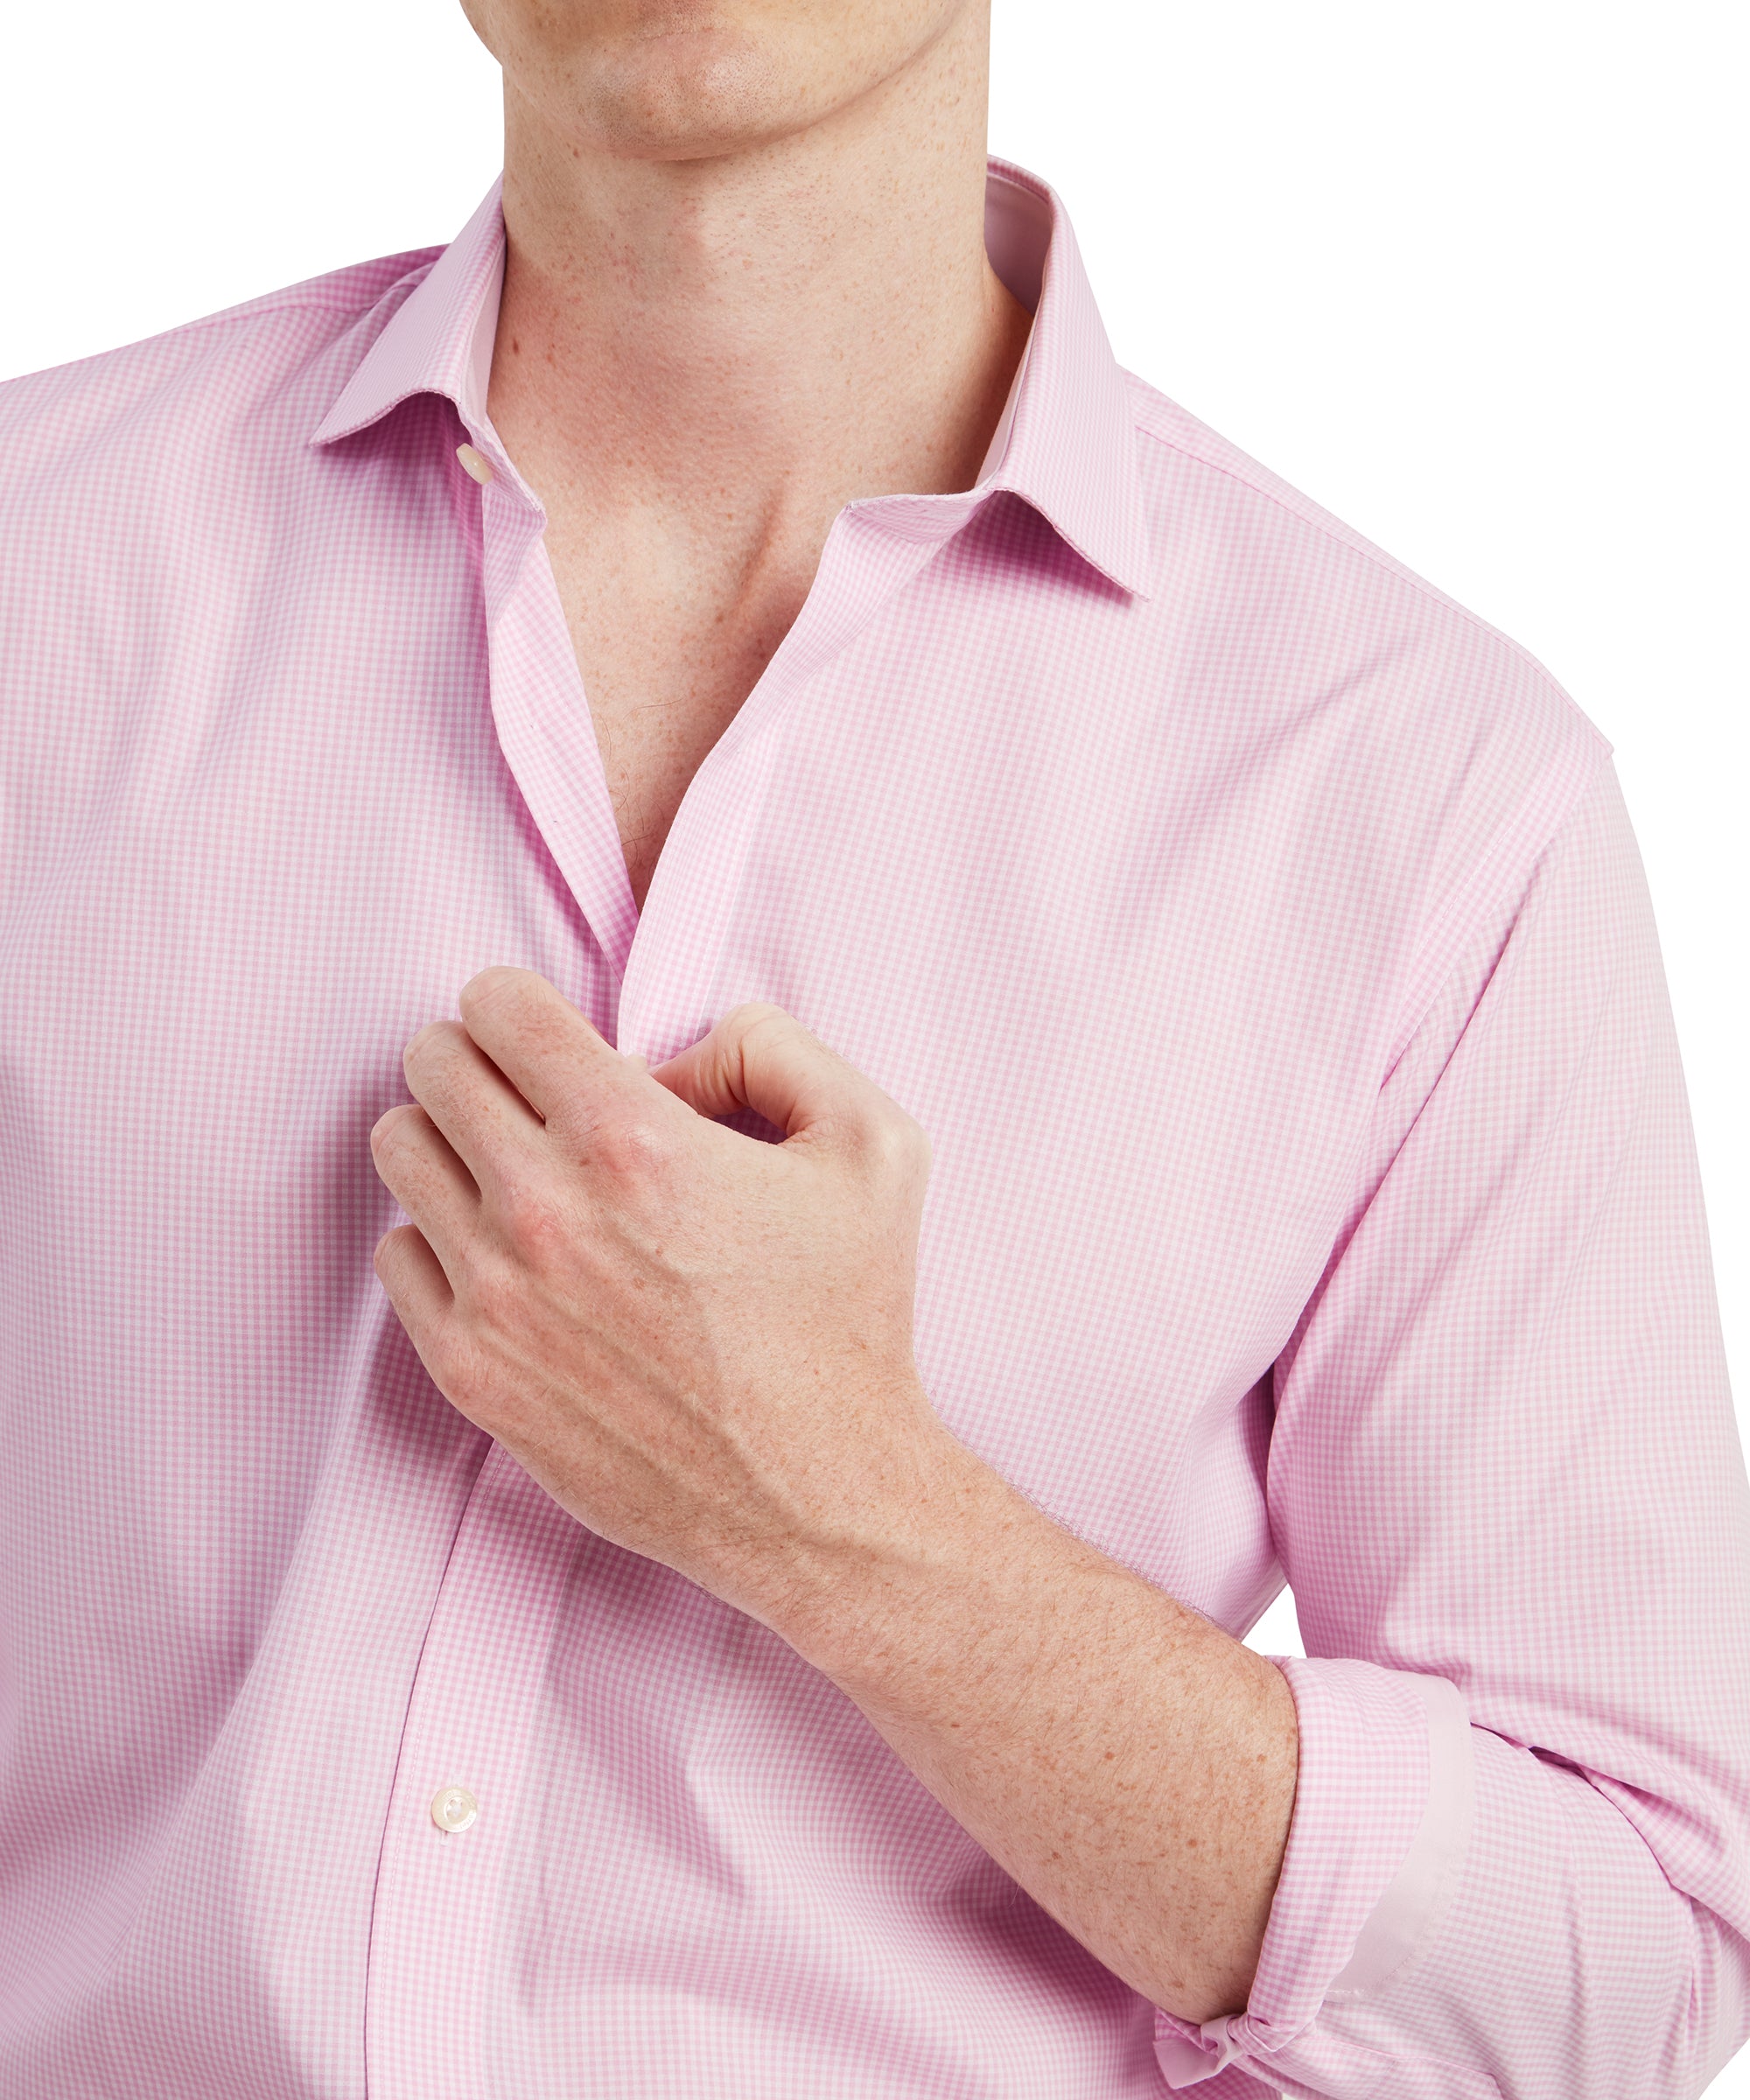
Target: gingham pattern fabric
[1262,941]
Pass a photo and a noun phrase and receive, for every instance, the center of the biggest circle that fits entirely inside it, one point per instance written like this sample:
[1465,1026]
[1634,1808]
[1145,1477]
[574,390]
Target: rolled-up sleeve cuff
[1382,1824]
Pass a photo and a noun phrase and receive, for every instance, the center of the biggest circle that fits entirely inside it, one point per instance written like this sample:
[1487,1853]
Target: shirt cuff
[1381,1828]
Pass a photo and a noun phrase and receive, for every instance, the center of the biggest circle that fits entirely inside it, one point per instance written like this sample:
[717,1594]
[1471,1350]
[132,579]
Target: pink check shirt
[1261,940]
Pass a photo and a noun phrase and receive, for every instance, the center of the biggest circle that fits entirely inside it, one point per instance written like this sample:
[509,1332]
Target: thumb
[758,1057]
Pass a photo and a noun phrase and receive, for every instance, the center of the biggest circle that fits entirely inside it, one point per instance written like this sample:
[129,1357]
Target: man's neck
[737,345]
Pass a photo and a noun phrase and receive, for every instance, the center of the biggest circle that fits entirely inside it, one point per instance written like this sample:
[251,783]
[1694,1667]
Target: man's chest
[667,651]
[656,707]
[1137,1163]
[1132,972]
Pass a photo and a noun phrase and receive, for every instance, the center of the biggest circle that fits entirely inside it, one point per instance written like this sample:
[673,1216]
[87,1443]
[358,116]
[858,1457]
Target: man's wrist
[916,1582]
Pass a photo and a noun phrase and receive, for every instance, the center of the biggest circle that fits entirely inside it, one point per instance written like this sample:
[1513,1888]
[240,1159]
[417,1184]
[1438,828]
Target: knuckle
[757,1013]
[533,1222]
[759,1021]
[893,1144]
[888,1148]
[633,1149]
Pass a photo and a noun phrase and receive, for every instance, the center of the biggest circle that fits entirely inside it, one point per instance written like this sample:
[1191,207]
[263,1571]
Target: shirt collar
[1066,442]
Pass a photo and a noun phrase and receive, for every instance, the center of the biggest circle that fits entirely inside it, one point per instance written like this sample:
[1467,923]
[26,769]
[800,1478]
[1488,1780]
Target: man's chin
[690,94]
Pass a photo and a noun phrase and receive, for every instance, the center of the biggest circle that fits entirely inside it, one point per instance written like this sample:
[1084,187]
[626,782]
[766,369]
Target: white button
[453,1809]
[473,463]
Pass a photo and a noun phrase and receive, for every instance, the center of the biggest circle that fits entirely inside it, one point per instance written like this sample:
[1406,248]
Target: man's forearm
[1129,1763]
[702,1348]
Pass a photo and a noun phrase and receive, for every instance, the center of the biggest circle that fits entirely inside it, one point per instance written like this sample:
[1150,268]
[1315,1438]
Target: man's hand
[700,1345]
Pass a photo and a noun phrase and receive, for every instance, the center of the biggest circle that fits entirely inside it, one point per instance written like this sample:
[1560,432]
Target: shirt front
[1261,940]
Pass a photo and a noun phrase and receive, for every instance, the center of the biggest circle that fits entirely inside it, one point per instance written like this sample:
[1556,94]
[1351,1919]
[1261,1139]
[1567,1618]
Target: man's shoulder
[1457,752]
[186,385]
[1298,547]
[1299,567]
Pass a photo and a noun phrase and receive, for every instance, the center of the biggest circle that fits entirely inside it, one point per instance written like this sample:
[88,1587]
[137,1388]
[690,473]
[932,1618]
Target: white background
[1472,277]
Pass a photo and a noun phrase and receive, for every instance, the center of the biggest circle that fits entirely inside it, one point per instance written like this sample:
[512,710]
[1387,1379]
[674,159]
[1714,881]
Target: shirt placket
[457,1789]
[543,723]
[436,1945]
[669,996]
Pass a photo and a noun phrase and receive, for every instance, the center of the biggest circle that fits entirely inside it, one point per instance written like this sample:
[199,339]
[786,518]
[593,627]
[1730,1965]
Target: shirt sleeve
[1508,1488]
